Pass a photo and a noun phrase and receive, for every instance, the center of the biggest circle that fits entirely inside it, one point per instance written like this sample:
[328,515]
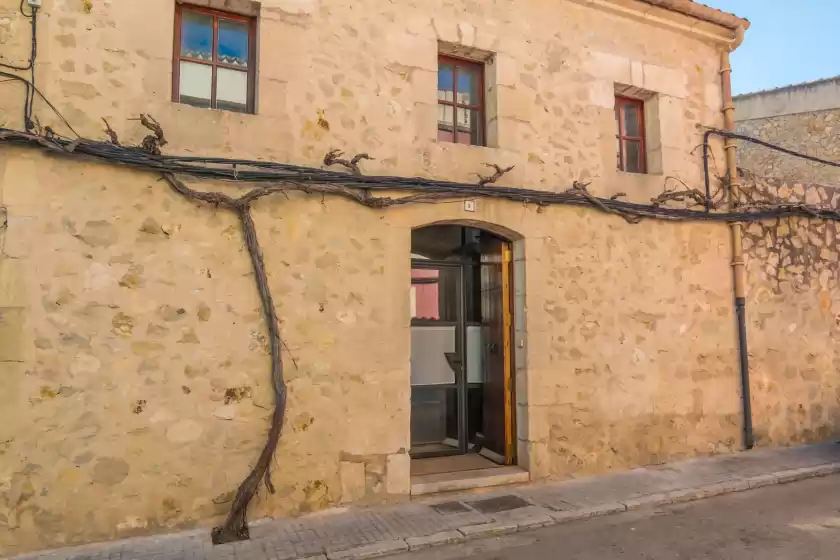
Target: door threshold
[422,485]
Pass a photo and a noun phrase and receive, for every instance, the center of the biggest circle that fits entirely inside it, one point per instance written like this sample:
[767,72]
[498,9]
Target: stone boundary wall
[793,312]
[814,133]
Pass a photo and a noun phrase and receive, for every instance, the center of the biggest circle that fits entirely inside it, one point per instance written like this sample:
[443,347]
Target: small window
[460,101]
[214,59]
[630,140]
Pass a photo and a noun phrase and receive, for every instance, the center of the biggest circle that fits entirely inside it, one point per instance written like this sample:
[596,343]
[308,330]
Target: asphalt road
[791,522]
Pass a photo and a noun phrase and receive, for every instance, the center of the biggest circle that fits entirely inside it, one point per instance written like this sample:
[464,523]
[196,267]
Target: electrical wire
[225,169]
[776,147]
[735,136]
[29,15]
[35,90]
[31,107]
[250,171]
[34,48]
[29,92]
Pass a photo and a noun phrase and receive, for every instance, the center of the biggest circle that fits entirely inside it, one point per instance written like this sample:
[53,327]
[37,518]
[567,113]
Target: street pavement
[513,513]
[780,522]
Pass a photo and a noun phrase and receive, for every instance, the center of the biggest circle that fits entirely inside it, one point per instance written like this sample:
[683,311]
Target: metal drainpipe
[738,272]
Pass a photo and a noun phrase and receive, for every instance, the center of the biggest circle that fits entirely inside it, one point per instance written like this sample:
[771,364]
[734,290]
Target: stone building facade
[801,117]
[133,356]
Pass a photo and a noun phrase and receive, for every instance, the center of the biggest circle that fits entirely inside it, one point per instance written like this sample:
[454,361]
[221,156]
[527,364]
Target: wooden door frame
[508,350]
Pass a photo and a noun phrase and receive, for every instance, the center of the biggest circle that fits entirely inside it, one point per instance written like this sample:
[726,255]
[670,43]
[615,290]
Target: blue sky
[788,42]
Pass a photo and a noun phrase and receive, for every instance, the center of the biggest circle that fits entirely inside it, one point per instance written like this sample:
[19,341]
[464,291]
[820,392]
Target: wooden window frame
[622,136]
[215,63]
[480,107]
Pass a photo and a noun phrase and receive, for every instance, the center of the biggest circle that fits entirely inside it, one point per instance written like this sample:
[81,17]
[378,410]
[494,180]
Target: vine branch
[235,527]
[112,135]
[333,157]
[500,171]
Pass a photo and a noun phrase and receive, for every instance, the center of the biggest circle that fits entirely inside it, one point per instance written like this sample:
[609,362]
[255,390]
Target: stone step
[467,480]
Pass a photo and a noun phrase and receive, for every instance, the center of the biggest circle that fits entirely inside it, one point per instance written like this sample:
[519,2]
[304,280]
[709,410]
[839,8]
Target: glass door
[438,397]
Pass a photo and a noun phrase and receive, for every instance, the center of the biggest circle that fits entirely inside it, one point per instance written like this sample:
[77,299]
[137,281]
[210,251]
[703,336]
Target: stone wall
[793,318]
[132,354]
[813,133]
[370,85]
[139,372]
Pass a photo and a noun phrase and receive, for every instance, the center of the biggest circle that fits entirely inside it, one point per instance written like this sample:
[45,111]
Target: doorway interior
[462,390]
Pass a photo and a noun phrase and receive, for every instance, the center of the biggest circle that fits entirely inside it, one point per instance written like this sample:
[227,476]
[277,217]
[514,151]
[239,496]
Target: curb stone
[383,548]
[794,475]
[438,539]
[487,530]
[534,522]
[762,480]
[649,500]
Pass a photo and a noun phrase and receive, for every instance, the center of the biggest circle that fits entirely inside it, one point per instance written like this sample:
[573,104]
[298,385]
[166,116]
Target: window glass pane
[231,90]
[434,419]
[469,82]
[631,120]
[617,118]
[617,152]
[633,156]
[197,35]
[196,80]
[233,42]
[445,82]
[469,127]
[446,119]
[436,293]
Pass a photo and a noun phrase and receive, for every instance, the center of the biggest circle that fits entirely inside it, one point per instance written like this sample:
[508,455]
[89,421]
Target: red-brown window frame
[252,51]
[465,63]
[621,102]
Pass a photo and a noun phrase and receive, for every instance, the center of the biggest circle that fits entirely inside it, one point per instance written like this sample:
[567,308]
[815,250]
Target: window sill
[464,146]
[621,173]
[189,107]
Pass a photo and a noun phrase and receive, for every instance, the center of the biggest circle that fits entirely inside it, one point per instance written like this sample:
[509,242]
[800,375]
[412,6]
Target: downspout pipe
[738,270]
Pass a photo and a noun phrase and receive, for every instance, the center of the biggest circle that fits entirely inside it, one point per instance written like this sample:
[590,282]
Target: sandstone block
[637,75]
[398,474]
[515,103]
[507,70]
[109,471]
[613,68]
[184,431]
[352,478]
[12,283]
[99,233]
[663,80]
[11,334]
[602,94]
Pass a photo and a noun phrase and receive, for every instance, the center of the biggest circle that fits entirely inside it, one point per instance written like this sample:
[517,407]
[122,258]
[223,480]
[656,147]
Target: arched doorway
[462,383]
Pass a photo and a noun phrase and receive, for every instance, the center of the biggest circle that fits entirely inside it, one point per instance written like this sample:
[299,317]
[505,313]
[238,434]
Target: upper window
[214,59]
[630,123]
[460,101]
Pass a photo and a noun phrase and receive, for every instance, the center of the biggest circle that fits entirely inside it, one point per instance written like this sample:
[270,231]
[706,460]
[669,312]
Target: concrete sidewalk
[367,533]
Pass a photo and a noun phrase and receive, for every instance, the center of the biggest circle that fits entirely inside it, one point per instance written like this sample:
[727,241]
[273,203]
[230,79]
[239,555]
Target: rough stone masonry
[132,353]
